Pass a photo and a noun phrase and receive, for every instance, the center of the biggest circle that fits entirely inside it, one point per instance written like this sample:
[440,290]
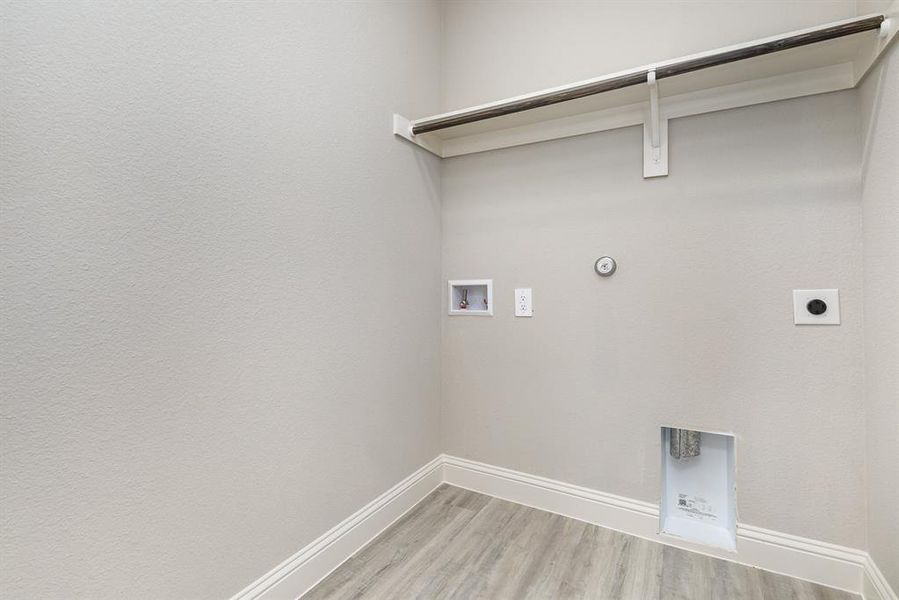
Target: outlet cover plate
[524,304]
[801,314]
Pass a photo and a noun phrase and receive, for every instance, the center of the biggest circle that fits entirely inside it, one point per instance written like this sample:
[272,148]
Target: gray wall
[695,329]
[880,221]
[220,285]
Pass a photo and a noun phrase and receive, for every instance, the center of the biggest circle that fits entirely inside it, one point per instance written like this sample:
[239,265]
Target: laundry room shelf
[825,58]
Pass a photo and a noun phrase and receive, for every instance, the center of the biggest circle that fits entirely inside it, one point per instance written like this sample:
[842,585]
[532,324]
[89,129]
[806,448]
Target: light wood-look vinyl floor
[464,545]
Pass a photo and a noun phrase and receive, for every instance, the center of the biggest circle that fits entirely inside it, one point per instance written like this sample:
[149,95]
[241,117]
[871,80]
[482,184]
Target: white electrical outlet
[816,307]
[524,305]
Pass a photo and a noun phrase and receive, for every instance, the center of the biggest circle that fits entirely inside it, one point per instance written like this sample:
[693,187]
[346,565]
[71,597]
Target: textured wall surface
[880,226]
[220,285]
[696,327]
[504,48]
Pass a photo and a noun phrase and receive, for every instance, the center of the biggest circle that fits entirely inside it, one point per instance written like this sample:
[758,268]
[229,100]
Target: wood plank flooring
[463,545]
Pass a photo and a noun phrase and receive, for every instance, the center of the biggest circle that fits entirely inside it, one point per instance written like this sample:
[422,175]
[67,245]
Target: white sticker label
[696,508]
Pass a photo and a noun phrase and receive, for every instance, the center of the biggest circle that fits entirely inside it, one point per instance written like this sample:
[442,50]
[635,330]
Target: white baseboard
[299,573]
[811,560]
[820,562]
[874,585]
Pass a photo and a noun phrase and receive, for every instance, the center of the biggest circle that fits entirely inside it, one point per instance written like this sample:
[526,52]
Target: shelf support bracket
[402,127]
[655,134]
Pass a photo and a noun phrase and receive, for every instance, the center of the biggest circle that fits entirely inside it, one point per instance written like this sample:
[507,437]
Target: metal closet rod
[639,77]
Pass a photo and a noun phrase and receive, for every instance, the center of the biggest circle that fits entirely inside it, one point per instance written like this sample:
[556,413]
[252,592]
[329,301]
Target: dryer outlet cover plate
[806,303]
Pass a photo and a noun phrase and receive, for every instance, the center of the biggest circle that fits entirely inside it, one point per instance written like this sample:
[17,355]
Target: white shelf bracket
[655,134]
[402,127]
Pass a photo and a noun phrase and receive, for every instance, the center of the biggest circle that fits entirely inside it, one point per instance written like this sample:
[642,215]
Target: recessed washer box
[471,297]
[699,493]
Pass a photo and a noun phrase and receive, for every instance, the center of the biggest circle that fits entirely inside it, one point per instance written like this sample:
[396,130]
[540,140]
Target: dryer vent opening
[698,487]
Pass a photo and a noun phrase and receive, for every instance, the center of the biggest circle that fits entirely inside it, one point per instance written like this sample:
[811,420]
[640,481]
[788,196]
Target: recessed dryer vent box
[471,297]
[699,501]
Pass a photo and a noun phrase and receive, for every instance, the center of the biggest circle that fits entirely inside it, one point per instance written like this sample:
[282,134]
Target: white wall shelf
[478,292]
[815,68]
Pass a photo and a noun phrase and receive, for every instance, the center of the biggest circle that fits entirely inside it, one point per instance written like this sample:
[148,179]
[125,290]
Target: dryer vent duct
[685,443]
